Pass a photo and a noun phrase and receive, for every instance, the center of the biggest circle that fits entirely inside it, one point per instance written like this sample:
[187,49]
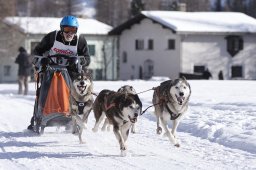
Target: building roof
[195,22]
[44,25]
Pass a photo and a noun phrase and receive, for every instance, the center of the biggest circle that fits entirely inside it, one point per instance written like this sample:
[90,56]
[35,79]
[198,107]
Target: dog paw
[123,147]
[95,130]
[82,142]
[123,153]
[75,131]
[159,130]
[133,130]
[177,145]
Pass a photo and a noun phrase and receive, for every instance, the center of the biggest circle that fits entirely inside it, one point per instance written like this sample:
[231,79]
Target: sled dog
[82,101]
[121,110]
[130,89]
[171,102]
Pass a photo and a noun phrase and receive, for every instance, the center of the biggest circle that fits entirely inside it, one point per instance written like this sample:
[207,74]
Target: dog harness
[173,115]
[107,107]
[164,100]
[81,106]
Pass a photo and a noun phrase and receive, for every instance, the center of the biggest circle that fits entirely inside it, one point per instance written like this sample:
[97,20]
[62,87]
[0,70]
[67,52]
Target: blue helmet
[69,21]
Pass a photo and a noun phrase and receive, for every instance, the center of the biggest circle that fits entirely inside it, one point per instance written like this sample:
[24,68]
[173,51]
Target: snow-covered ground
[219,132]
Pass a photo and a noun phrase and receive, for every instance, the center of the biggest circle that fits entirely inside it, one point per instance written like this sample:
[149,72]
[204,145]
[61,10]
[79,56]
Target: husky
[170,100]
[121,111]
[82,101]
[130,89]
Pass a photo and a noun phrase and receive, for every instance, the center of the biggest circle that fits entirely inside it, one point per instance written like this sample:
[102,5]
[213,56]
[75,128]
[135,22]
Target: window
[98,74]
[139,44]
[171,44]
[234,44]
[199,69]
[91,49]
[7,70]
[150,44]
[236,71]
[124,57]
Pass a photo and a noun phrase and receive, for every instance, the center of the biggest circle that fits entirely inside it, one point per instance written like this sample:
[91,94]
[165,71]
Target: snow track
[217,133]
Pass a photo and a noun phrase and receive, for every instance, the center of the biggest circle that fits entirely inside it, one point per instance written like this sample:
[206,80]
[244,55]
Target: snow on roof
[44,25]
[204,21]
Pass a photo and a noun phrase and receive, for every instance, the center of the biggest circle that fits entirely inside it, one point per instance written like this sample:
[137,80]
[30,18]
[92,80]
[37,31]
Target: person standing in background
[220,75]
[207,74]
[23,60]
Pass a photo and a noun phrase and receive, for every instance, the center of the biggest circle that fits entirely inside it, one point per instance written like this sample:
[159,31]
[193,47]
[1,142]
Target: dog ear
[137,99]
[88,73]
[184,78]
[120,90]
[119,100]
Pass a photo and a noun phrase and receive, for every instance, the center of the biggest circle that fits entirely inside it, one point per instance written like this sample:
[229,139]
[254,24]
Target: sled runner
[53,96]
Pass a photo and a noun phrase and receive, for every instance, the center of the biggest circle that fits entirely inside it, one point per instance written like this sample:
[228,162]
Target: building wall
[10,41]
[247,57]
[211,51]
[166,62]
[105,49]
[97,61]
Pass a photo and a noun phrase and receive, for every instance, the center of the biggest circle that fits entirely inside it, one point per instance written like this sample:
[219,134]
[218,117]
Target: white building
[168,43]
[28,31]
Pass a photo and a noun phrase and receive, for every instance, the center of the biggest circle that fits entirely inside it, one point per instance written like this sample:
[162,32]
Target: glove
[84,61]
[73,61]
[45,61]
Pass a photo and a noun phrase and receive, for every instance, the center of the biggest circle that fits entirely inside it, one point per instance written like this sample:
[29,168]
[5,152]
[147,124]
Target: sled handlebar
[41,62]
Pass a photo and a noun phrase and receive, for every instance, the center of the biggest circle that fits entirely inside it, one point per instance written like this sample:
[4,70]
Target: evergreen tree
[136,7]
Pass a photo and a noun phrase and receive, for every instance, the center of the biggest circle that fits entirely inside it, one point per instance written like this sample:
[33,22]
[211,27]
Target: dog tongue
[81,88]
[180,99]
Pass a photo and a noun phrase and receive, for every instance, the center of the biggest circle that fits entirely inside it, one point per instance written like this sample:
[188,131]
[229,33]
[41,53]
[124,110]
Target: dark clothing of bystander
[23,60]
[220,75]
[207,74]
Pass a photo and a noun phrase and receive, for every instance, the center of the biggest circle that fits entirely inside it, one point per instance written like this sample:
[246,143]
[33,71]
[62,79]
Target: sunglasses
[70,29]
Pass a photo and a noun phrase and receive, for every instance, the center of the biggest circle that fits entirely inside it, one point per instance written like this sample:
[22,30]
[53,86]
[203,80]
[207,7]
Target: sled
[53,95]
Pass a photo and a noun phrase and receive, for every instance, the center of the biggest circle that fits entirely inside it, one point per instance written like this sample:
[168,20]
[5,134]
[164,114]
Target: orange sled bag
[54,99]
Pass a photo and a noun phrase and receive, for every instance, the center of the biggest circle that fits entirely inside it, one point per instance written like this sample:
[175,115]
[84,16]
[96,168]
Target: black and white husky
[130,89]
[121,111]
[171,102]
[82,101]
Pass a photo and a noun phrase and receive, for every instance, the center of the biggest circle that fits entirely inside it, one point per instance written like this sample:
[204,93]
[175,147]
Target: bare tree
[112,12]
[136,7]
[7,8]
[251,6]
[8,38]
[196,5]
[46,8]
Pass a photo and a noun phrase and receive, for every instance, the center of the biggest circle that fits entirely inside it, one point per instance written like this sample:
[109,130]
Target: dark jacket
[23,60]
[48,41]
[207,74]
